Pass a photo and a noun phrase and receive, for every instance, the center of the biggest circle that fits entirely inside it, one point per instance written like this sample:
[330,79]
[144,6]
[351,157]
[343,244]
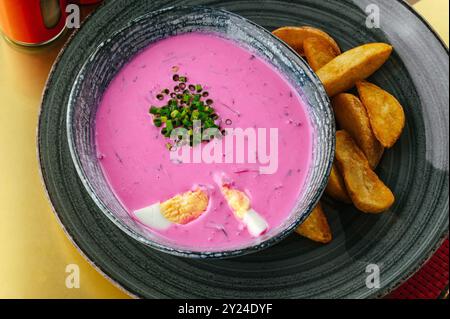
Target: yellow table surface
[34,250]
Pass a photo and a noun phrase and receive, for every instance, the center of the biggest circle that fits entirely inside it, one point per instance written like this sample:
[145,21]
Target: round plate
[416,169]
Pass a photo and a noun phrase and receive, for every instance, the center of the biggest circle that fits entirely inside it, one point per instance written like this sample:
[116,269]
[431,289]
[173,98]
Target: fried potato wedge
[336,186]
[351,115]
[368,193]
[357,64]
[295,37]
[386,114]
[316,227]
[318,52]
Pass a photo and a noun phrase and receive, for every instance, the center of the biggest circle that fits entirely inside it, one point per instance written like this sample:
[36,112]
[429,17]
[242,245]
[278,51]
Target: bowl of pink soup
[200,134]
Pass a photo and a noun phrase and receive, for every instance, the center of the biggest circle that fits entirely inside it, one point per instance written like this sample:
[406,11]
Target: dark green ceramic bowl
[416,169]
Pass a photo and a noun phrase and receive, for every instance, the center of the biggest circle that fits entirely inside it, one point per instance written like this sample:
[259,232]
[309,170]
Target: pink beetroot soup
[247,91]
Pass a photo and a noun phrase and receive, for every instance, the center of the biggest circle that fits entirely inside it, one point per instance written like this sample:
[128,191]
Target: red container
[32,22]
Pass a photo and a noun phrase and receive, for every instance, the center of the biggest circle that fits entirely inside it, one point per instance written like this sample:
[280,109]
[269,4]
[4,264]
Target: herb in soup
[186,103]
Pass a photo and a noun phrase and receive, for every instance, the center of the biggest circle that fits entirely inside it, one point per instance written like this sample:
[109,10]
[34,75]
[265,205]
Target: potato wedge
[318,52]
[386,114]
[316,227]
[336,186]
[352,117]
[368,193]
[357,64]
[295,36]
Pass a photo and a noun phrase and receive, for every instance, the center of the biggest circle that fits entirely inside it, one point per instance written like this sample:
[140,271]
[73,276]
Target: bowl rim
[213,254]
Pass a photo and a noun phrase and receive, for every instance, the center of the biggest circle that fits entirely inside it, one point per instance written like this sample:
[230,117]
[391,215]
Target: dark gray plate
[416,169]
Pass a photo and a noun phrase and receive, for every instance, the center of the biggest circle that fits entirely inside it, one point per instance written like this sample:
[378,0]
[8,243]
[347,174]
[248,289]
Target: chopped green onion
[195,115]
[174,114]
[165,111]
[186,104]
[186,97]
[169,125]
[187,123]
[173,102]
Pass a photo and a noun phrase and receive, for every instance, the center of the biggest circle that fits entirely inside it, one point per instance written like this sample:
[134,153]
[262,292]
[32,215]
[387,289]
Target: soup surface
[248,93]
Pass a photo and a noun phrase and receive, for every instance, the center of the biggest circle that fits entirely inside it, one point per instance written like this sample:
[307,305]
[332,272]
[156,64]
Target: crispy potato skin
[368,193]
[316,227]
[352,117]
[318,52]
[295,37]
[336,186]
[342,73]
[385,112]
